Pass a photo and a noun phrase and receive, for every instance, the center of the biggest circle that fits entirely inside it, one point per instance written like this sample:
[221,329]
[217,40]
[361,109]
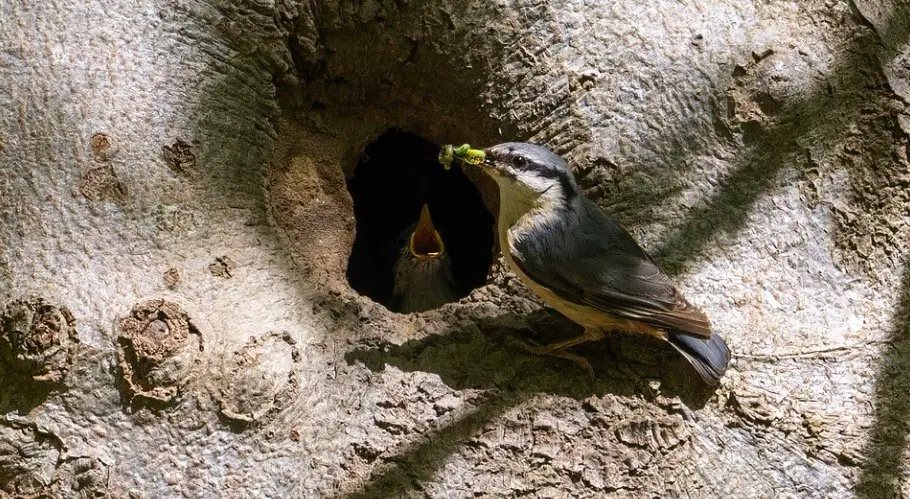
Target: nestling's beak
[425,242]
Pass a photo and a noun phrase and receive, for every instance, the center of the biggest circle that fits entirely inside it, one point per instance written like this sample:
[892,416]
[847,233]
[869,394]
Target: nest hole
[398,173]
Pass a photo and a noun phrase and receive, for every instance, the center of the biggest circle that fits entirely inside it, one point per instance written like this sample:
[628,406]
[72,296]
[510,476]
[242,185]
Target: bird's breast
[423,284]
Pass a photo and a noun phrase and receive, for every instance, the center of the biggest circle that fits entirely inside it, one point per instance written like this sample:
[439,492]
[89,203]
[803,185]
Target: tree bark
[175,231]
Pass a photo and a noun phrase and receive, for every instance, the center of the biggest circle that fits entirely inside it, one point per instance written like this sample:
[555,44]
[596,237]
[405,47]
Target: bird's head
[425,243]
[529,169]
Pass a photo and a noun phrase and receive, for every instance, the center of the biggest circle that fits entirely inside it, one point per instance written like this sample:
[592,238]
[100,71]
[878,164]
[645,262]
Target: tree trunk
[175,232]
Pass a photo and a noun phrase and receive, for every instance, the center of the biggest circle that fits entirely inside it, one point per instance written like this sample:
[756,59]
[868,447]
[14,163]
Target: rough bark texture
[174,232]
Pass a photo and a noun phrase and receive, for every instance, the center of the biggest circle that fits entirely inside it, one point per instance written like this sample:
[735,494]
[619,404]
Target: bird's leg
[545,351]
[588,336]
[559,349]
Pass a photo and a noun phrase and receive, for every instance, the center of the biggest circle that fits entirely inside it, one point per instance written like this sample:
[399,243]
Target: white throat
[521,207]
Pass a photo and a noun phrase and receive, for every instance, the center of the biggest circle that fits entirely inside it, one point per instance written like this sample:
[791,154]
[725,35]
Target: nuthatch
[581,262]
[423,271]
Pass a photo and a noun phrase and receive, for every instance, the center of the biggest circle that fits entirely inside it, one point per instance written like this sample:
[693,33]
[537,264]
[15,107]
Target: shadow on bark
[21,394]
[883,469]
[486,355]
[424,458]
[772,151]
[464,359]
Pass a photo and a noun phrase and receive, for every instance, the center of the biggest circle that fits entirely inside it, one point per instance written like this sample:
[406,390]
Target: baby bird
[422,274]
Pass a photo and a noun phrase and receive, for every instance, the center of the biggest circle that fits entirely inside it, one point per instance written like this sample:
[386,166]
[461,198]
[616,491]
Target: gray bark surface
[174,233]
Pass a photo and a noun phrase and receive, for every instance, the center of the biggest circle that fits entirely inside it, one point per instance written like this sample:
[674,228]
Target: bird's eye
[520,161]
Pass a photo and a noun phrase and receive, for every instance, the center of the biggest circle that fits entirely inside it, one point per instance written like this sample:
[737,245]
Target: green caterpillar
[463,152]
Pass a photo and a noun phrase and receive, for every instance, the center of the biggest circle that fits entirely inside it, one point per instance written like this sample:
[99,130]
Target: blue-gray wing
[585,256]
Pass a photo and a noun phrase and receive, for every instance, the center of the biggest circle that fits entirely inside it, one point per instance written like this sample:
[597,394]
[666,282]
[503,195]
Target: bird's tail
[708,357]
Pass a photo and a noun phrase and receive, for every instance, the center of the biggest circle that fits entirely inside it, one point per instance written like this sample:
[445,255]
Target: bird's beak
[489,160]
[425,241]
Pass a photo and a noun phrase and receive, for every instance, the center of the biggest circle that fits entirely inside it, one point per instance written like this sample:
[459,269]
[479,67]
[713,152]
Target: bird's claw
[535,348]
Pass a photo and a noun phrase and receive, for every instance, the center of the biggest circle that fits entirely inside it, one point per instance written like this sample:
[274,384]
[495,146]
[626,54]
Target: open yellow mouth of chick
[425,242]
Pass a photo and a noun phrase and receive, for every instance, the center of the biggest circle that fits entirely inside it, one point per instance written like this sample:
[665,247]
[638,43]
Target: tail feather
[709,357]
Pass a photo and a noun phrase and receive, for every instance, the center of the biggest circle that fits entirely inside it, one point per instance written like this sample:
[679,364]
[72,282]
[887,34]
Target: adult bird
[581,262]
[422,275]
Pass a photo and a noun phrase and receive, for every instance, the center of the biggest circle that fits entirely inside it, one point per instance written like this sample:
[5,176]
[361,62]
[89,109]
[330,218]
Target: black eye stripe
[564,179]
[524,164]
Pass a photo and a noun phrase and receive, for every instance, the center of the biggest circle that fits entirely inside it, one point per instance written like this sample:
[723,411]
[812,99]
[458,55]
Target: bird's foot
[535,348]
